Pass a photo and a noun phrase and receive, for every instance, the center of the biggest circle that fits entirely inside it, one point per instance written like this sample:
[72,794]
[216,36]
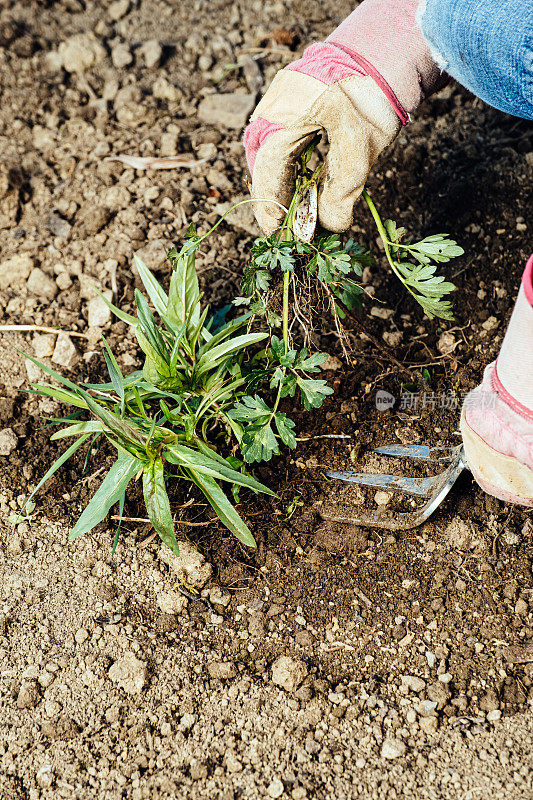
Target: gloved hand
[359,87]
[497,416]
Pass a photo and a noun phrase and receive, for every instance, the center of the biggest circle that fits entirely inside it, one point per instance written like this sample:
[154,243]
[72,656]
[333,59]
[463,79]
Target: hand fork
[434,488]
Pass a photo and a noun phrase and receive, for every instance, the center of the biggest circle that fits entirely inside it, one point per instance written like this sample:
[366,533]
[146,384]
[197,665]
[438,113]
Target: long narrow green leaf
[115,425]
[218,467]
[184,293]
[133,377]
[221,352]
[152,354]
[227,330]
[149,326]
[218,394]
[195,334]
[117,379]
[118,312]
[49,371]
[111,489]
[158,504]
[175,353]
[63,395]
[155,291]
[92,426]
[59,463]
[222,507]
[149,391]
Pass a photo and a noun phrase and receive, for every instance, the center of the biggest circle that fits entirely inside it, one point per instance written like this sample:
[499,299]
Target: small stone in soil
[226,110]
[41,285]
[232,762]
[288,673]
[413,683]
[81,635]
[331,363]
[190,565]
[15,271]
[8,441]
[44,777]
[57,225]
[80,52]
[171,602]
[152,53]
[98,313]
[64,352]
[459,533]
[429,724]
[28,695]
[392,748]
[382,498]
[121,55]
[43,345]
[275,788]
[118,9]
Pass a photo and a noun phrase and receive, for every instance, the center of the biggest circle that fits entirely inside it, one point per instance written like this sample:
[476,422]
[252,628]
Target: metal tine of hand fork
[434,488]
[423,452]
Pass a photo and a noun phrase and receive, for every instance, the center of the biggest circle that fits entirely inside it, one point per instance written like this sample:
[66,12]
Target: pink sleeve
[386,34]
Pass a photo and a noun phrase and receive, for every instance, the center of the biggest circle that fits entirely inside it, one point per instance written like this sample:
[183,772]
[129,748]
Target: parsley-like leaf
[427,288]
[285,428]
[269,253]
[259,443]
[313,392]
[251,409]
[438,248]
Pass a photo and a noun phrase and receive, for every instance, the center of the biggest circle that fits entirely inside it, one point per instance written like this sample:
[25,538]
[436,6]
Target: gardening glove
[497,417]
[359,87]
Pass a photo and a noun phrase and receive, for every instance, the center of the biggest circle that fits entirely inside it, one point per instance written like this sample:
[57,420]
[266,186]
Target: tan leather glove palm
[355,113]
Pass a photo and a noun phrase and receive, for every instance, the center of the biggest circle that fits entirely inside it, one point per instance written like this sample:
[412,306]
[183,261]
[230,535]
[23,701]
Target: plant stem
[240,203]
[384,239]
[381,229]
[286,284]
[285,314]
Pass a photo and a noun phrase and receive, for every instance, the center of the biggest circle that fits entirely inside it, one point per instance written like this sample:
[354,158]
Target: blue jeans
[486,45]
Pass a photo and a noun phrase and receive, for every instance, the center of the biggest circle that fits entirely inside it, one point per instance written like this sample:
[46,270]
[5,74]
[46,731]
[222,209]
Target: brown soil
[450,603]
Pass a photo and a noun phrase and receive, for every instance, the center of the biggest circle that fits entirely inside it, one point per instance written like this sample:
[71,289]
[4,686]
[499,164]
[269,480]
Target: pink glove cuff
[508,398]
[329,63]
[499,419]
[386,33]
[527,282]
[513,370]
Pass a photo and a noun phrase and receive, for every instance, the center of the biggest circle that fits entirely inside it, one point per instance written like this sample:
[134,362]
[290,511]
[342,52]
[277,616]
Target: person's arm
[487,46]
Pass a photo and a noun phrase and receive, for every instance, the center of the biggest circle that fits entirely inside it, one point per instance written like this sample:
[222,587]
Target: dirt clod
[288,673]
[129,672]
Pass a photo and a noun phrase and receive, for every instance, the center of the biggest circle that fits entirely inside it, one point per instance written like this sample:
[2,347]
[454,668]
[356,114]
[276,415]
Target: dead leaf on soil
[169,162]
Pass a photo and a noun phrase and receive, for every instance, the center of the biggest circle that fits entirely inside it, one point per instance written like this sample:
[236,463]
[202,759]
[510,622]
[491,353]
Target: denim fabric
[486,45]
